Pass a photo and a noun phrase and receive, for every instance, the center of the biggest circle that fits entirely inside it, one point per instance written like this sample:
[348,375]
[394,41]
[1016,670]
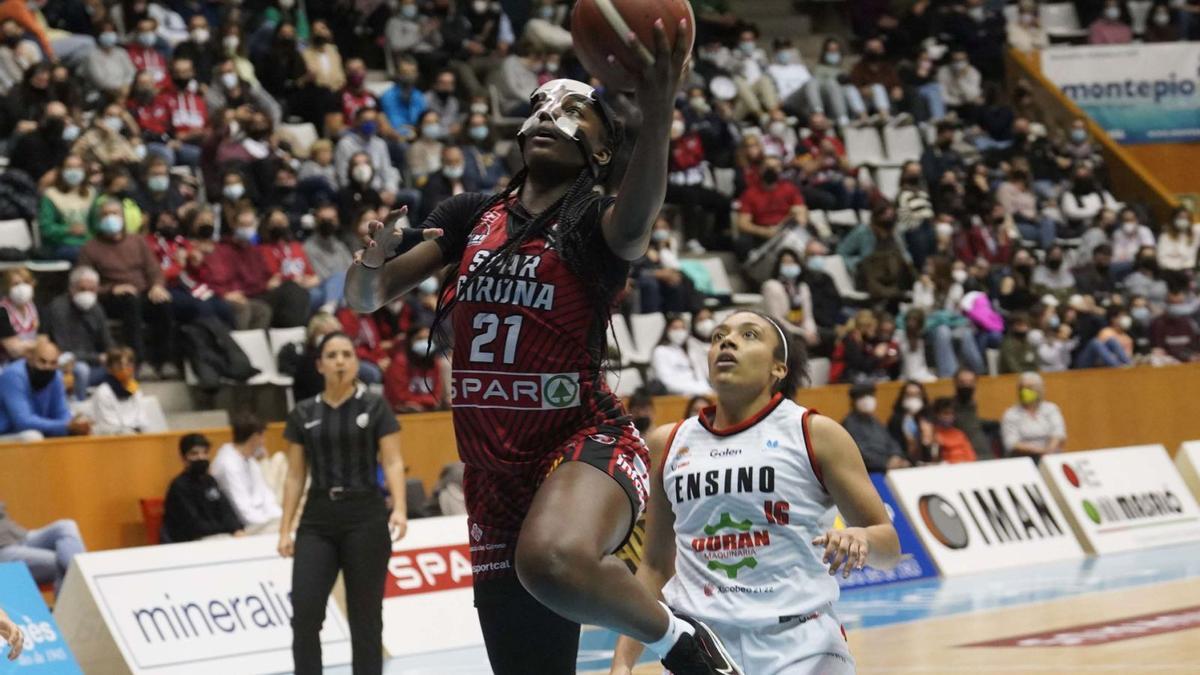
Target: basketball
[601,27]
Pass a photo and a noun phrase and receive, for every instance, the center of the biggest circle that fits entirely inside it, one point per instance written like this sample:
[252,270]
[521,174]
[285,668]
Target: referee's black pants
[348,534]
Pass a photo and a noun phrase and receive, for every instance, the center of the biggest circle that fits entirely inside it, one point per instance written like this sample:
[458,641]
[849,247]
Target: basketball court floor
[1136,612]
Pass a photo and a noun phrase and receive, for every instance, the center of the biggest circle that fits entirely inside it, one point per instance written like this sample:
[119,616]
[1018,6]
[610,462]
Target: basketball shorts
[799,646]
[497,502]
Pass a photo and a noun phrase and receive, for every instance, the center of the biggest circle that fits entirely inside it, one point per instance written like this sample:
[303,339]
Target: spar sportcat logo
[730,545]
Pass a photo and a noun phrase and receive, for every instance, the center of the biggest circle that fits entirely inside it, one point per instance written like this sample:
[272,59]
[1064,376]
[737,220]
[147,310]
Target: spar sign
[1139,93]
[1123,499]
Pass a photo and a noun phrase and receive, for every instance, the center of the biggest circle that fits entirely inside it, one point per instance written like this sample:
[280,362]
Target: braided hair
[574,240]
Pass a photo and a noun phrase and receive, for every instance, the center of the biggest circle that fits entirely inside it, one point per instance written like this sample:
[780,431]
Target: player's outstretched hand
[847,549]
[392,237]
[658,81]
[11,634]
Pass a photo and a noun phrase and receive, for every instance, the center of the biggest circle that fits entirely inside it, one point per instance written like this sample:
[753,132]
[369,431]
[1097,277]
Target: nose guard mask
[550,100]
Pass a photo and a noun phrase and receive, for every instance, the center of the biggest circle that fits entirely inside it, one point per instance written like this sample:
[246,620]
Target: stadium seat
[993,361]
[152,518]
[620,337]
[301,136]
[835,267]
[903,144]
[863,146]
[1060,20]
[843,217]
[19,235]
[1139,13]
[1011,14]
[818,372]
[623,382]
[156,419]
[282,337]
[254,344]
[647,330]
[887,179]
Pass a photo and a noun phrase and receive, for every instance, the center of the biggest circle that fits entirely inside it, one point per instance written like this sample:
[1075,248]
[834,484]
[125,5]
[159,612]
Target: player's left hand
[846,548]
[398,524]
[658,81]
[9,633]
[387,239]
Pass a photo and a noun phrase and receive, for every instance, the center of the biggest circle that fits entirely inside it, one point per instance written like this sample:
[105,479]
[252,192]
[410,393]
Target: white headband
[782,338]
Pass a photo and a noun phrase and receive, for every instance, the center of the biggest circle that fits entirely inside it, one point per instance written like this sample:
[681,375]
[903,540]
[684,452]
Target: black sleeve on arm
[6,328]
[453,216]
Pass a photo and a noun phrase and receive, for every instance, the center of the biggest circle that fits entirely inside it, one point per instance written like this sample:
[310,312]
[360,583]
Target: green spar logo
[1092,512]
[561,391]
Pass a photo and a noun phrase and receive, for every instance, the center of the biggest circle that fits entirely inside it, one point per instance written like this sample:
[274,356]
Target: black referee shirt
[341,445]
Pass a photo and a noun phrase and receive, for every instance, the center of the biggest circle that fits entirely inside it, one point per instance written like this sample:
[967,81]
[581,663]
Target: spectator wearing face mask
[33,398]
[323,60]
[19,320]
[1033,426]
[1110,28]
[1016,353]
[864,239]
[189,112]
[450,180]
[1160,27]
[962,85]
[789,75]
[159,192]
[909,423]
[144,53]
[404,103]
[1052,275]
[1129,237]
[442,100]
[417,377]
[327,253]
[672,365]
[756,90]
[364,138]
[195,508]
[662,286]
[825,92]
[876,78]
[108,140]
[117,405]
[131,287]
[484,168]
[1179,242]
[410,34]
[229,89]
[1096,278]
[1174,333]
[1026,34]
[787,295]
[108,68]
[76,322]
[200,48]
[285,259]
[767,207]
[686,172]
[425,153]
[1085,198]
[880,452]
[1113,346]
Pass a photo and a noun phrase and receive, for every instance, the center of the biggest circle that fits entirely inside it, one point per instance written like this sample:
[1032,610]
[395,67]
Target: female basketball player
[555,472]
[732,533]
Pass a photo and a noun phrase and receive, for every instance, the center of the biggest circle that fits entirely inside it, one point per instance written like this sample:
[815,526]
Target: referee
[340,435]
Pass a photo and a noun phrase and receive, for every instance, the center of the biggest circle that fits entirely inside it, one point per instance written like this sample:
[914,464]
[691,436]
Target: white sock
[676,628]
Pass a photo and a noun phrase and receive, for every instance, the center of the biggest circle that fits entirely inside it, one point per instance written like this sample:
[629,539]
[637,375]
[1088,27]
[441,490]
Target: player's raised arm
[869,537]
[627,225]
[394,262]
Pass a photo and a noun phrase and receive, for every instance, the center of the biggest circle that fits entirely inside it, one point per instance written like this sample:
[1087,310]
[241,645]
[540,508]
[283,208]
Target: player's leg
[524,636]
[578,518]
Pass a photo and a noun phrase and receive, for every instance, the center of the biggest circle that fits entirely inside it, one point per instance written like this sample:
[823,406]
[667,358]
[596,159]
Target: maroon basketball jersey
[528,343]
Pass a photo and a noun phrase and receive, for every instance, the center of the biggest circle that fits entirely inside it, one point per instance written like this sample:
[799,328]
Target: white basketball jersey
[748,501]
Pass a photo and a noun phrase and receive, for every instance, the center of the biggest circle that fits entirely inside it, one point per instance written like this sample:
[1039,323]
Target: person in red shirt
[152,113]
[189,112]
[235,271]
[953,446]
[176,256]
[355,95]
[286,260]
[372,340]
[416,379]
[143,53]
[821,140]
[687,171]
[767,206]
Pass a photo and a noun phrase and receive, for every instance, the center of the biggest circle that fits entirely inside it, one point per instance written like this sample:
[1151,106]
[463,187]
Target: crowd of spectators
[169,146]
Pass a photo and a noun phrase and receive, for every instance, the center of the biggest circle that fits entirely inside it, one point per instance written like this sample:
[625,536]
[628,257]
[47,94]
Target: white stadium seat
[647,330]
[903,143]
[254,344]
[835,267]
[1061,20]
[863,146]
[624,382]
[620,337]
[887,179]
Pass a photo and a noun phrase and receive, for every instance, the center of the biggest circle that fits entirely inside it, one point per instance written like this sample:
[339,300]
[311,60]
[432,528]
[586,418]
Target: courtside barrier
[1187,461]
[188,609]
[914,561]
[45,651]
[983,516]
[1123,499]
[428,604]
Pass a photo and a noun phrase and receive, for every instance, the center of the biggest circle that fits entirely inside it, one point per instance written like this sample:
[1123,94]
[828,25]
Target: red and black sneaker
[700,653]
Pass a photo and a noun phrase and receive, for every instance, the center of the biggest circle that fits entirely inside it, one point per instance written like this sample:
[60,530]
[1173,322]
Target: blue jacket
[22,409]
[401,113]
